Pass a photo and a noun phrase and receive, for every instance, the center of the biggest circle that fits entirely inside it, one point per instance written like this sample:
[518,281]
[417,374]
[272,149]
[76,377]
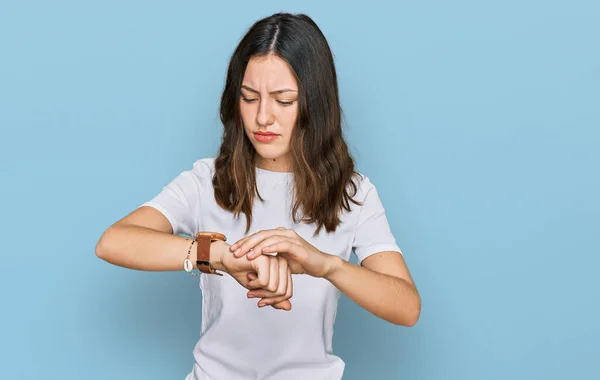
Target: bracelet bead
[187,263]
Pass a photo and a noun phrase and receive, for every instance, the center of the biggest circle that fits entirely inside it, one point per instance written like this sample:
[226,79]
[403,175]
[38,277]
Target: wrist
[335,264]
[217,250]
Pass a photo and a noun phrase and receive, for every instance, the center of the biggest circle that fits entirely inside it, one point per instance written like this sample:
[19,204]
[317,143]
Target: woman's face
[269,108]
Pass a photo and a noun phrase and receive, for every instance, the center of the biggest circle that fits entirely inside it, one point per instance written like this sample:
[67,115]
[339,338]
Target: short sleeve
[179,200]
[373,233]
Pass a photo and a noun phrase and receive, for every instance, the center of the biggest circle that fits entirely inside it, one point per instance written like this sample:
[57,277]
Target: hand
[269,275]
[303,258]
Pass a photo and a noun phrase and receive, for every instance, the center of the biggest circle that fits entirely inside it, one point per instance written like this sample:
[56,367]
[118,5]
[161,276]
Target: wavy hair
[323,169]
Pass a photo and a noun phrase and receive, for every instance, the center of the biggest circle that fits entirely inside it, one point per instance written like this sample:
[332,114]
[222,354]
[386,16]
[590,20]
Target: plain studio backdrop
[477,121]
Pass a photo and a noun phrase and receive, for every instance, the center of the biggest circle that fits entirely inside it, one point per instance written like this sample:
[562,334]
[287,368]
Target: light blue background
[477,121]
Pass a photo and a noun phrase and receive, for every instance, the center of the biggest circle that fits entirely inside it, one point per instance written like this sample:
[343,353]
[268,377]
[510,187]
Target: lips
[265,137]
[265,133]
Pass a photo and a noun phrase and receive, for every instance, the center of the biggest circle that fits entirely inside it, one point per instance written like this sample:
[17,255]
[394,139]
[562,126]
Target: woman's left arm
[382,285]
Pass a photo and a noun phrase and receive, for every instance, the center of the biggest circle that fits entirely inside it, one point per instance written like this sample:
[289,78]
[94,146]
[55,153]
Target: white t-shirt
[238,340]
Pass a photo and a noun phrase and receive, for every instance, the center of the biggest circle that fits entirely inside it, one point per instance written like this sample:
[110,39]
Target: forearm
[141,248]
[391,298]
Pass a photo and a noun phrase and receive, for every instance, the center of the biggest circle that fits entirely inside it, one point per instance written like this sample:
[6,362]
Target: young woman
[279,211]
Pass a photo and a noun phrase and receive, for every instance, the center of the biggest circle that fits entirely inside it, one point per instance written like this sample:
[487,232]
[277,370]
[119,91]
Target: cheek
[289,116]
[246,113]
[248,121]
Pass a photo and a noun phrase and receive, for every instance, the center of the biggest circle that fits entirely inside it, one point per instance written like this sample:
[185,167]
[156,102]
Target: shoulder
[363,184]
[204,167]
[197,177]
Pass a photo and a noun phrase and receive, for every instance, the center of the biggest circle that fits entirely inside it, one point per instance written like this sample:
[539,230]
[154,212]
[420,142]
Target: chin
[270,153]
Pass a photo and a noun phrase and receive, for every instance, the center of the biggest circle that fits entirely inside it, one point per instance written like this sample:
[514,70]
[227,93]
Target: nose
[265,115]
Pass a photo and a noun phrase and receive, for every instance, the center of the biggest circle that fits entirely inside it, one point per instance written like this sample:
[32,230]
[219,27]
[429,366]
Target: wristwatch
[204,240]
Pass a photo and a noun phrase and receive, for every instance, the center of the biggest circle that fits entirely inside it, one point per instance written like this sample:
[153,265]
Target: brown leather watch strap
[203,242]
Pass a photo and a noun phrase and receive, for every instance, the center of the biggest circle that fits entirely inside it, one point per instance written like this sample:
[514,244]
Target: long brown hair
[323,169]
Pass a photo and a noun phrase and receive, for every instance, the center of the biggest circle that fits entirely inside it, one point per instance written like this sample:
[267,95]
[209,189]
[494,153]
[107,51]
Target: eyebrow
[272,92]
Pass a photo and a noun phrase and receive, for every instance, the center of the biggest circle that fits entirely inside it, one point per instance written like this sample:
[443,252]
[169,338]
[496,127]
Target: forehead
[269,72]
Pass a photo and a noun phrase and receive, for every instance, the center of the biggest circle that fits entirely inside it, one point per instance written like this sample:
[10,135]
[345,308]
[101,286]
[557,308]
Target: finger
[258,250]
[280,302]
[282,230]
[276,303]
[290,288]
[283,305]
[235,246]
[287,246]
[284,277]
[252,240]
[262,293]
[273,301]
[263,270]
[273,275]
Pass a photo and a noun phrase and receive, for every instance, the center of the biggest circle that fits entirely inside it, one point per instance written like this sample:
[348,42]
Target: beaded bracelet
[187,263]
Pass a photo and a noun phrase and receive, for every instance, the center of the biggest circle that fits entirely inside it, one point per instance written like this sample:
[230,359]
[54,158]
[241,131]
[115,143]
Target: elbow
[410,316]
[408,319]
[102,250]
[414,314]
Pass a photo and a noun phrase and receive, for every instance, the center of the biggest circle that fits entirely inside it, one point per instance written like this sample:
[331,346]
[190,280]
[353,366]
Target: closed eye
[283,103]
[247,100]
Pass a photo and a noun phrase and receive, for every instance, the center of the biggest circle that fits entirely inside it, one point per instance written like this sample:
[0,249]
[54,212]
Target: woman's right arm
[144,240]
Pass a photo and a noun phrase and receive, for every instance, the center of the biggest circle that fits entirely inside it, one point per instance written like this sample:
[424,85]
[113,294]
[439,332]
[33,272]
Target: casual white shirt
[238,340]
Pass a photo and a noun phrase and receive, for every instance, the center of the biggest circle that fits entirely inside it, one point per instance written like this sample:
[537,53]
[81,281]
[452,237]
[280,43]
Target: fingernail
[237,251]
[233,246]
[251,296]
